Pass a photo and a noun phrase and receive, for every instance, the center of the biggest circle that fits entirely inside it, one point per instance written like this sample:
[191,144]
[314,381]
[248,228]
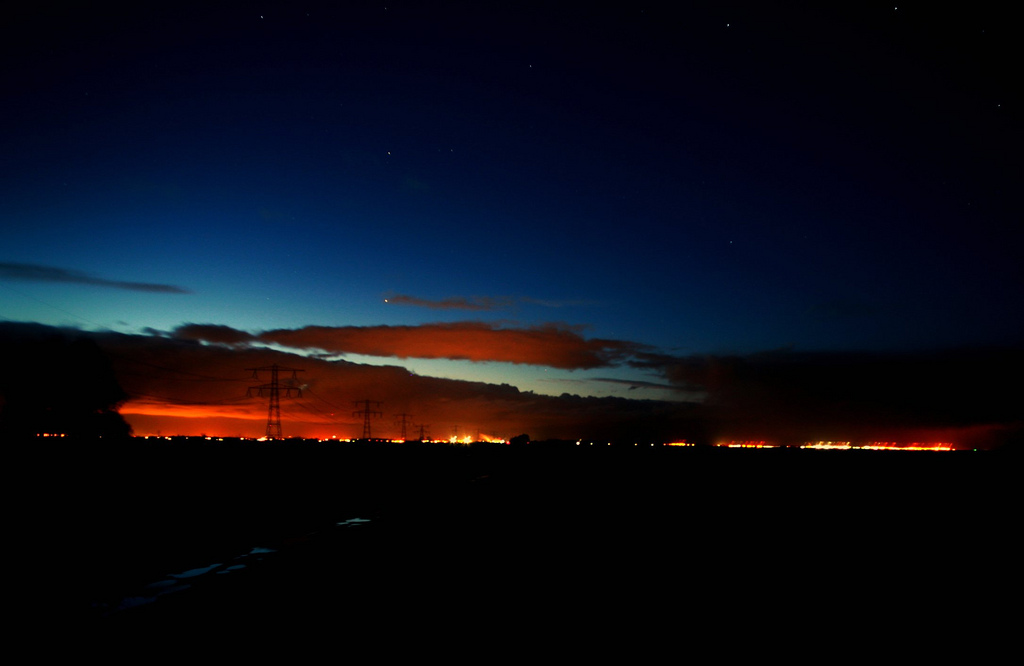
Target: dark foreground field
[502,544]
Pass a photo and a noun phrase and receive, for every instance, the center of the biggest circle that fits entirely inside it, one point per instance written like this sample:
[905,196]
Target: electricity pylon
[274,388]
[366,413]
[403,421]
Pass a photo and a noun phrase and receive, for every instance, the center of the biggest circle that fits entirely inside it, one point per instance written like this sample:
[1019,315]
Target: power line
[201,377]
[319,415]
[329,404]
[180,401]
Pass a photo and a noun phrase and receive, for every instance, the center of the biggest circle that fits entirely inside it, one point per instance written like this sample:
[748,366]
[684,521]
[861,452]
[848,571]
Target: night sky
[762,220]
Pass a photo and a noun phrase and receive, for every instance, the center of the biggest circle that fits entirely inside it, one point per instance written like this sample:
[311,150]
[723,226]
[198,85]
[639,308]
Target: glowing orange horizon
[148,408]
[154,418]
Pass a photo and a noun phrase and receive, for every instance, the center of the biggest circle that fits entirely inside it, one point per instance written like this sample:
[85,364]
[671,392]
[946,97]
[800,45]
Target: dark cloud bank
[960,394]
[186,378]
[38,273]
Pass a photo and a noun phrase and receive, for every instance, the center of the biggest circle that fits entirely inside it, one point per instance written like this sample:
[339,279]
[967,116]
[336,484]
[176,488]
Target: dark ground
[500,548]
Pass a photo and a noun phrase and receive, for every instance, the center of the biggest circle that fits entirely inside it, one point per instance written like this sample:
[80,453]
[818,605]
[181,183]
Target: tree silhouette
[56,384]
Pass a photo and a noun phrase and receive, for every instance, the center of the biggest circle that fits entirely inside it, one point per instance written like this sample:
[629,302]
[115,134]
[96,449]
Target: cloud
[784,395]
[480,303]
[853,395]
[215,333]
[551,345]
[182,386]
[551,303]
[635,384]
[453,303]
[37,273]
[179,386]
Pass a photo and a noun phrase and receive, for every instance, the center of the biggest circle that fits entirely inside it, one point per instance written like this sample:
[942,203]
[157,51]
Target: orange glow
[747,444]
[150,408]
[173,392]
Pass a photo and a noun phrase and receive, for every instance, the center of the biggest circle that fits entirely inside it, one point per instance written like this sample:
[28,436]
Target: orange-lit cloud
[185,386]
[178,386]
[548,345]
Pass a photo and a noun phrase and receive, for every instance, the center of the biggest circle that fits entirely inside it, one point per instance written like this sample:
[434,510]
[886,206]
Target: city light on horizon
[466,440]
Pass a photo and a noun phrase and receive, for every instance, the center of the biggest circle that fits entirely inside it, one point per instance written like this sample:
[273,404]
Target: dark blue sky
[703,178]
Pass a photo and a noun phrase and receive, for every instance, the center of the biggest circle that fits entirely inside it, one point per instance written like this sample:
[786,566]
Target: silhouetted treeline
[57,384]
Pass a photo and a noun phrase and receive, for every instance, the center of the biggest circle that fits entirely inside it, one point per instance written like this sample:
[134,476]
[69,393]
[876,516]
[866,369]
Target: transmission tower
[274,389]
[366,413]
[424,435]
[403,420]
